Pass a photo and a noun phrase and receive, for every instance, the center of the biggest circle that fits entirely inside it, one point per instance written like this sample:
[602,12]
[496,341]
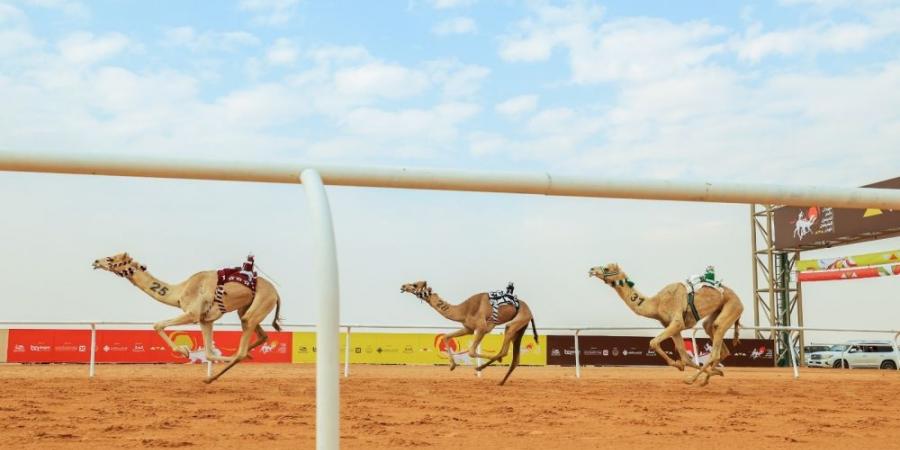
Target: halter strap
[624,282]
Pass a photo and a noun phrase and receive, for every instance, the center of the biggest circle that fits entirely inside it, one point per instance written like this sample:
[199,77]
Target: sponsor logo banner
[414,348]
[48,346]
[635,351]
[820,226]
[135,346]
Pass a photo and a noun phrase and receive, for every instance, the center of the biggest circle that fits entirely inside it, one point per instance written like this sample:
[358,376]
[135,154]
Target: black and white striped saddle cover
[500,298]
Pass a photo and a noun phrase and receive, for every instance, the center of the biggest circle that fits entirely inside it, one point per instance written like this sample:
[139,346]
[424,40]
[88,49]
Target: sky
[796,92]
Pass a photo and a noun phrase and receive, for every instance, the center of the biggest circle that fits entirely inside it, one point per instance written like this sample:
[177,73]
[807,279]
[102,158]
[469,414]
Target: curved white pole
[328,327]
[347,354]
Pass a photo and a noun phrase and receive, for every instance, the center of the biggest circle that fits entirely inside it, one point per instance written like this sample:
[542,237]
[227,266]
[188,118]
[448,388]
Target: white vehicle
[858,355]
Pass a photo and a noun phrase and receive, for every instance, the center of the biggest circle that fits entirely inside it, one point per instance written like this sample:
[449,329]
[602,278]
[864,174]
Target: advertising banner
[849,274]
[849,262]
[819,226]
[414,348]
[635,351]
[65,346]
[134,346]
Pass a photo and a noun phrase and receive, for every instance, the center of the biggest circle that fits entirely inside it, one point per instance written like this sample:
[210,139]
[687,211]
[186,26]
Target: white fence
[576,332]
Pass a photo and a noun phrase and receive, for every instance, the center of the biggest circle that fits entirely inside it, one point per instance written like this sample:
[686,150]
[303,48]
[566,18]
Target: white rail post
[897,351]
[328,326]
[347,354]
[92,369]
[577,356]
[794,354]
[694,344]
[478,359]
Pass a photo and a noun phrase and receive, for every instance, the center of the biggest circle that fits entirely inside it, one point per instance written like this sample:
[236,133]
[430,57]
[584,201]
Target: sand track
[272,406]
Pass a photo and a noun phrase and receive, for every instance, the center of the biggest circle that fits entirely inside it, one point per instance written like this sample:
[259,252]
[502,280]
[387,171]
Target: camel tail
[737,336]
[534,329]
[276,322]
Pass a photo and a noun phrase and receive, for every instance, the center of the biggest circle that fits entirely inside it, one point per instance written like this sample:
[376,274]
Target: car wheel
[889,365]
[839,364]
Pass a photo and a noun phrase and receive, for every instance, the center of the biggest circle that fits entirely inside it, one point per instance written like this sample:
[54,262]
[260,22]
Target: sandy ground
[273,406]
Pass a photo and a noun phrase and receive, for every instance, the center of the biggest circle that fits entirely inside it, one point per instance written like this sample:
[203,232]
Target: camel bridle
[422,293]
[125,268]
[608,273]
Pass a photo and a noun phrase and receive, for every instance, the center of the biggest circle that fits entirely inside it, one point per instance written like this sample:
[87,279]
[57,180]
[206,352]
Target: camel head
[419,289]
[120,264]
[611,274]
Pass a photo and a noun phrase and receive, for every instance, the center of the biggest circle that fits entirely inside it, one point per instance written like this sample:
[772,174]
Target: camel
[478,318]
[671,308]
[195,297]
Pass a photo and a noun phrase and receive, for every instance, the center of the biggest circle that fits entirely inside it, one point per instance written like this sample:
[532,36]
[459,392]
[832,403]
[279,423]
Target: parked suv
[857,355]
[826,358]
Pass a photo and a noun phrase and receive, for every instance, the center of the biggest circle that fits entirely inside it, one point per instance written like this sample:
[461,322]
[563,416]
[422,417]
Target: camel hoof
[452,366]
[688,380]
[208,380]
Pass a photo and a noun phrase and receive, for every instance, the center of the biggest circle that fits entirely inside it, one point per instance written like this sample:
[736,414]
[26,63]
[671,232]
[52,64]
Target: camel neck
[160,291]
[452,312]
[637,302]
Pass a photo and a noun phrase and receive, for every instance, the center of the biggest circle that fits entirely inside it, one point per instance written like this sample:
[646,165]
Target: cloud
[456,25]
[447,4]
[517,106]
[68,7]
[208,40]
[378,79]
[282,52]
[757,45]
[270,12]
[456,79]
[621,50]
[86,48]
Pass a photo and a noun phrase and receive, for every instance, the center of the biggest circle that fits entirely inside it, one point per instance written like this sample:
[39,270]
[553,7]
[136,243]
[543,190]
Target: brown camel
[670,307]
[475,314]
[195,297]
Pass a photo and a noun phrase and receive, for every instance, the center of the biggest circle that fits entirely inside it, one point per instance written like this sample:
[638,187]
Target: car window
[837,348]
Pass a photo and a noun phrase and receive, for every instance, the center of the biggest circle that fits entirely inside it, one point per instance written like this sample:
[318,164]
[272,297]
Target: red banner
[49,346]
[135,346]
[849,274]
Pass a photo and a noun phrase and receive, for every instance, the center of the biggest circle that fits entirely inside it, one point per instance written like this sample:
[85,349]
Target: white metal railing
[576,332]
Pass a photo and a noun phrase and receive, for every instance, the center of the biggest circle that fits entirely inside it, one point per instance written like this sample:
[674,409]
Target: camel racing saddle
[696,282]
[246,275]
[504,305]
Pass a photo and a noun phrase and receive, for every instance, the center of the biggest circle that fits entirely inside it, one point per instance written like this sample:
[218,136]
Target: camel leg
[508,335]
[207,327]
[446,340]
[473,349]
[674,328]
[517,343]
[161,326]
[262,337]
[241,353]
[682,354]
[260,308]
[728,315]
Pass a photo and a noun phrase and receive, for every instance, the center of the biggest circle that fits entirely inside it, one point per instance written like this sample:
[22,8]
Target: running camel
[200,302]
[479,317]
[672,308]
